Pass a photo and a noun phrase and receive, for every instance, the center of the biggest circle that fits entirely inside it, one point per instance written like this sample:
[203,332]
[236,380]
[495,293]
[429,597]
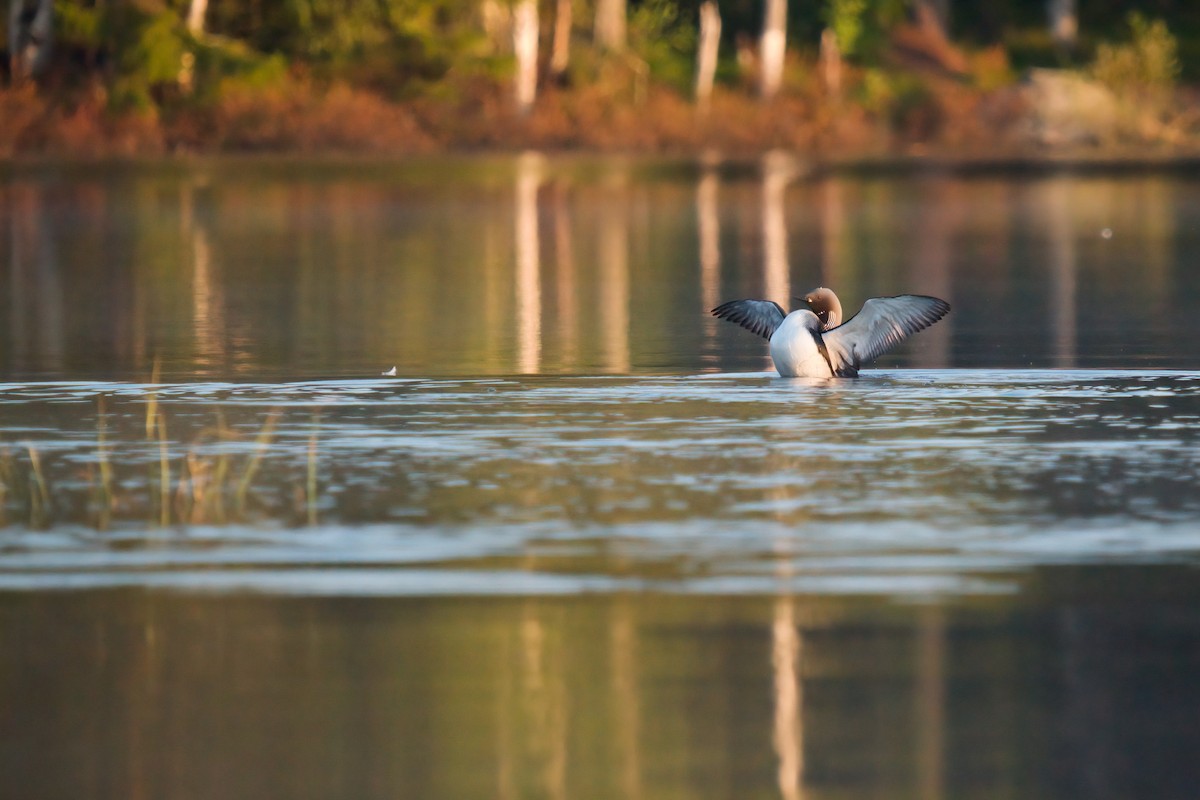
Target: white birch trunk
[1064,24]
[560,53]
[610,24]
[706,56]
[30,37]
[772,47]
[497,25]
[831,63]
[195,17]
[525,47]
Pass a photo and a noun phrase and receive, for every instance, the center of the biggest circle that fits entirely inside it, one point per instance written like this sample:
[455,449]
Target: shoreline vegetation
[857,82]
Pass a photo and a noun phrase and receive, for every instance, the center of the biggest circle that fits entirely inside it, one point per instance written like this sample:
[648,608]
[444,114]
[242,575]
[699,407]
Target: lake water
[585,543]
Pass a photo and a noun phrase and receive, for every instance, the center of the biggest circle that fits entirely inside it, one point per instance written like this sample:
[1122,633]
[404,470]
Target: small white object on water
[391,373]
[1106,233]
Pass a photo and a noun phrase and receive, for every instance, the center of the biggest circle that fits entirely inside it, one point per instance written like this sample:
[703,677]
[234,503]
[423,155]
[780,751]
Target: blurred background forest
[834,78]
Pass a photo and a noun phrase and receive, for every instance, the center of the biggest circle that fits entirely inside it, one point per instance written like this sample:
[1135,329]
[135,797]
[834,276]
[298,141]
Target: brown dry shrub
[76,131]
[301,117]
[740,123]
[136,134]
[592,118]
[72,126]
[89,129]
[351,119]
[21,112]
[475,112]
[246,118]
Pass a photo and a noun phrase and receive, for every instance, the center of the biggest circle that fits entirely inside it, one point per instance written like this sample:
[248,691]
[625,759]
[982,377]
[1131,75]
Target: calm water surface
[585,543]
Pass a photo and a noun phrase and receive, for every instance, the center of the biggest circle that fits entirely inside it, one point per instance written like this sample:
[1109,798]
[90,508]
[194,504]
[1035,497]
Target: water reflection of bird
[812,342]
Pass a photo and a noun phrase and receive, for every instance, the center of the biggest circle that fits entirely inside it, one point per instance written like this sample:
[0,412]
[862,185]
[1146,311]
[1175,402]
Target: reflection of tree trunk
[788,736]
[38,319]
[708,225]
[610,24]
[625,697]
[529,288]
[506,714]
[833,234]
[772,47]
[544,699]
[497,257]
[931,699]
[564,259]
[776,278]
[525,47]
[614,278]
[778,171]
[1062,274]
[706,52]
[560,53]
[30,37]
[208,307]
[1153,205]
[932,266]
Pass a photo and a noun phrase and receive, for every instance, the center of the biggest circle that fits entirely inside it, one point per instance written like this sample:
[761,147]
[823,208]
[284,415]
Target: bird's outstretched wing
[757,316]
[883,323]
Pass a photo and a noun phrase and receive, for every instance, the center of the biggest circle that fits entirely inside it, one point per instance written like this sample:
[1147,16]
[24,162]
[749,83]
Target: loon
[813,342]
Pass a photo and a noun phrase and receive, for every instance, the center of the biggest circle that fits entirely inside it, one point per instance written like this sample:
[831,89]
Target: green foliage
[335,33]
[862,26]
[222,65]
[664,40]
[990,69]
[78,25]
[155,50]
[391,46]
[147,60]
[146,49]
[334,30]
[845,19]
[1150,60]
[899,97]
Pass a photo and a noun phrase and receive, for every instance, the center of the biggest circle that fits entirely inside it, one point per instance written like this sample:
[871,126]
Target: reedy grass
[205,488]
[192,488]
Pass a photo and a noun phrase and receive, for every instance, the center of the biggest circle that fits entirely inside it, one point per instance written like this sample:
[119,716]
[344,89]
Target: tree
[1064,24]
[560,50]
[772,47]
[195,17]
[30,37]
[609,25]
[525,47]
[706,53]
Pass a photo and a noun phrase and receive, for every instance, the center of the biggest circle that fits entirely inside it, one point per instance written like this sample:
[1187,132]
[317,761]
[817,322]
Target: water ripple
[904,482]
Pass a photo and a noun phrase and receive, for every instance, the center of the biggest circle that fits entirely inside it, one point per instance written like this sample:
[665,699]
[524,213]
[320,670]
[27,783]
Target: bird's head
[825,304]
